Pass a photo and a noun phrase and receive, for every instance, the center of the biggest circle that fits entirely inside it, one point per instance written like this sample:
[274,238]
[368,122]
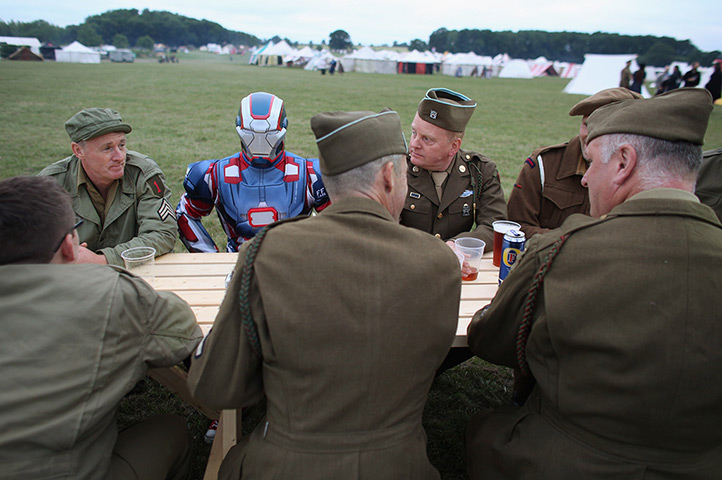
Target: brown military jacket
[709,181]
[348,350]
[625,345]
[549,188]
[464,209]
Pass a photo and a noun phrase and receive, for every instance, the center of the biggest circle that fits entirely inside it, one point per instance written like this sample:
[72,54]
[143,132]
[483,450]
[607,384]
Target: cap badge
[433,114]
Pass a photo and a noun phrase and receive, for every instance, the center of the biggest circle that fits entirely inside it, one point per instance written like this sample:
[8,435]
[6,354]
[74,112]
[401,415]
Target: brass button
[468,156]
[438,235]
[462,168]
[412,206]
[440,215]
[415,169]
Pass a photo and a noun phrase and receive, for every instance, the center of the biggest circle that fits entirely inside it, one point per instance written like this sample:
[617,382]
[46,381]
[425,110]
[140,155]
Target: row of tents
[368,60]
[31,49]
[596,73]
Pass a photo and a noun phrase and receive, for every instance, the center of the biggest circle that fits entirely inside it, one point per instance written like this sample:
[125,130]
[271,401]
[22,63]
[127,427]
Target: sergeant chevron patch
[165,210]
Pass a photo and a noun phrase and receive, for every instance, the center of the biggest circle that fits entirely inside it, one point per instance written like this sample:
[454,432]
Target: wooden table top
[199,279]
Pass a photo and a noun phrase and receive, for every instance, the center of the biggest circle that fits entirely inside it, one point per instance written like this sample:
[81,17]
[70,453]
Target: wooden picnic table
[199,279]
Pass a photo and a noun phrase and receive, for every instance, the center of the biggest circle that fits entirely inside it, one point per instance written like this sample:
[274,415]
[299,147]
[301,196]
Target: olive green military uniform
[549,188]
[625,345]
[348,350]
[76,339]
[472,199]
[140,213]
[709,181]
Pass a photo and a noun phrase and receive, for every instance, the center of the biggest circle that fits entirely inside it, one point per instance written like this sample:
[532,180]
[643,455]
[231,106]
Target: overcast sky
[378,22]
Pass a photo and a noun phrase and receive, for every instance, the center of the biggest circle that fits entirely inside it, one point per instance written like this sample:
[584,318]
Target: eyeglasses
[78,222]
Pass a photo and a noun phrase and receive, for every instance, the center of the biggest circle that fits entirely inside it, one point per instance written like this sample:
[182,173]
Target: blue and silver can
[512,246]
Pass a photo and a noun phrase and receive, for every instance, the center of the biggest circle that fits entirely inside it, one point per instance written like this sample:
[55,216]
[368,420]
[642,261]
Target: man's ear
[69,248]
[626,163]
[455,146]
[389,177]
[77,149]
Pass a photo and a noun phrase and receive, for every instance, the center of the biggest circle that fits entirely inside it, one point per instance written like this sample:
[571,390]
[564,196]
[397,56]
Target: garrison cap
[446,109]
[94,122]
[680,115]
[347,140]
[601,98]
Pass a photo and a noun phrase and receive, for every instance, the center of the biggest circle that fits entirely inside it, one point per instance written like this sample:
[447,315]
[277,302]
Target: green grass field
[186,112]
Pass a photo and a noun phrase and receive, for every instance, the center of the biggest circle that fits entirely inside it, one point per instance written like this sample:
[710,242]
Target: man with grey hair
[615,316]
[345,374]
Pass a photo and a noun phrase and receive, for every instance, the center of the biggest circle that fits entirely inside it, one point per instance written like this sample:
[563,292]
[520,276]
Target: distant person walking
[626,76]
[692,77]
[715,82]
[638,79]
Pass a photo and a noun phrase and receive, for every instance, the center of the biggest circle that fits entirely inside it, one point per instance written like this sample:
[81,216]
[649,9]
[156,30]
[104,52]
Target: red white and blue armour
[248,195]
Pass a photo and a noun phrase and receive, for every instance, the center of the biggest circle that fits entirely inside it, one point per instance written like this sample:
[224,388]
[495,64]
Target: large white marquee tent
[599,72]
[76,52]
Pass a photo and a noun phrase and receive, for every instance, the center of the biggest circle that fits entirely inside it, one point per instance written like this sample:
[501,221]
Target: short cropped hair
[658,159]
[360,179]
[35,215]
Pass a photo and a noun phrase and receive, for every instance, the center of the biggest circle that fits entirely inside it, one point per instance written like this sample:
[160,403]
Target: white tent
[516,68]
[31,42]
[599,72]
[321,60]
[274,54]
[76,52]
[418,62]
[464,64]
[367,60]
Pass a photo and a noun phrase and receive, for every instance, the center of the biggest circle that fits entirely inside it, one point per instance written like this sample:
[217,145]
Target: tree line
[133,28]
[129,27]
[569,46]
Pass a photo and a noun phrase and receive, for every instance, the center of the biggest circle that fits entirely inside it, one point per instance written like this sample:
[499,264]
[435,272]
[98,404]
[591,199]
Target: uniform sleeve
[317,196]
[491,207]
[525,199]
[492,333]
[155,219]
[170,326]
[225,373]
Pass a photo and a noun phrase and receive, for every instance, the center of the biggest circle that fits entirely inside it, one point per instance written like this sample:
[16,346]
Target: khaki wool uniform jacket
[548,189]
[76,339]
[460,212]
[709,181]
[625,345]
[140,213]
[349,350]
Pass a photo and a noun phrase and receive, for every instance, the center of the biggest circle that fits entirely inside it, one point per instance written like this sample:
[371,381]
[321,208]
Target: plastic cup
[140,261]
[500,229]
[472,249]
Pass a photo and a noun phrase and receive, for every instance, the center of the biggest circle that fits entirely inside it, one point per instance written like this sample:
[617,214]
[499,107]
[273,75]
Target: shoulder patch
[156,185]
[530,162]
[165,210]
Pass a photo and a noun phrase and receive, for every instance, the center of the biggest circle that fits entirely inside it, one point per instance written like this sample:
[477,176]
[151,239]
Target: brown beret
[94,122]
[603,97]
[446,109]
[680,115]
[348,140]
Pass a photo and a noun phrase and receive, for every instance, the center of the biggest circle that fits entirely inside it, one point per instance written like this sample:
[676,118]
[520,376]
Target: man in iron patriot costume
[257,186]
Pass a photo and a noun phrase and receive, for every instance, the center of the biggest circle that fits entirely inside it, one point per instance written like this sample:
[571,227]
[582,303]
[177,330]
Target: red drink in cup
[500,229]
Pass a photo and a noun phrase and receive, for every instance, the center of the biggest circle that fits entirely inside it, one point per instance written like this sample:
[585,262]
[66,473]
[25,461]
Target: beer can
[511,247]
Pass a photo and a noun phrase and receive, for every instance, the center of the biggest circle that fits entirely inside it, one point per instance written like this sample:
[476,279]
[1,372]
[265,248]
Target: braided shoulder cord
[245,304]
[522,336]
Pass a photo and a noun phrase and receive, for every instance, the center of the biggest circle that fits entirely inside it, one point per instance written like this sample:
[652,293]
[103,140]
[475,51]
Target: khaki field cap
[601,98]
[446,109]
[348,140]
[678,116]
[94,122]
